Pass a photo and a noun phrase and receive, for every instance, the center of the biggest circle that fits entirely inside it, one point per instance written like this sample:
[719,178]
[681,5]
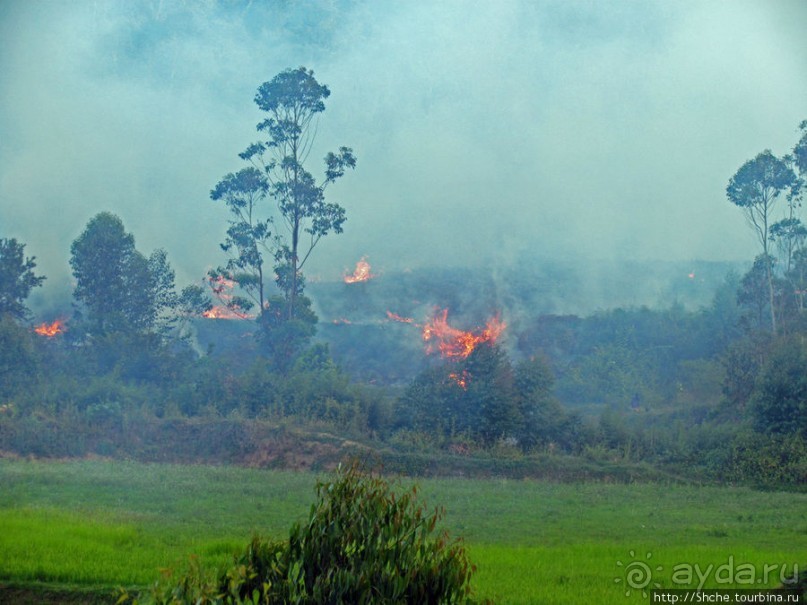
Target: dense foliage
[716,393]
[287,232]
[17,278]
[362,542]
[484,399]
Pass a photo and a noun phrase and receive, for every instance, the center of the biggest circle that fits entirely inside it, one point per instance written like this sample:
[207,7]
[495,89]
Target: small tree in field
[363,542]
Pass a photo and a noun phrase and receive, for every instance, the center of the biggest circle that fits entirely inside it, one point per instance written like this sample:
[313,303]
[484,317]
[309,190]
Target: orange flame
[361,273]
[450,342]
[454,343]
[50,329]
[222,287]
[222,312]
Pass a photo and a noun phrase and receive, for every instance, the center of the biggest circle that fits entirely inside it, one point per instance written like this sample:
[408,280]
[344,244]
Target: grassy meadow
[97,524]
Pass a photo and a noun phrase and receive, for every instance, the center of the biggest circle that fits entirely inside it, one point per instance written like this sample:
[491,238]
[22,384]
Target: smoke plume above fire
[595,166]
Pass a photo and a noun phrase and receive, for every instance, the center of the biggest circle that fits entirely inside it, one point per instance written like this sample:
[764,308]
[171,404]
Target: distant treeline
[717,391]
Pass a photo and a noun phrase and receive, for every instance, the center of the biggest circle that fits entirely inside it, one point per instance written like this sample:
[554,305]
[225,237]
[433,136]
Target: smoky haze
[485,132]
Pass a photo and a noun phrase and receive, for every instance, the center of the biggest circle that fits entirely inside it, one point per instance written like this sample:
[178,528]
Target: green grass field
[107,524]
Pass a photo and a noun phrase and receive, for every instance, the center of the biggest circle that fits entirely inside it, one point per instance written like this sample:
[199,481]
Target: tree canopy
[292,99]
[779,403]
[17,278]
[755,188]
[800,150]
[121,289]
[249,236]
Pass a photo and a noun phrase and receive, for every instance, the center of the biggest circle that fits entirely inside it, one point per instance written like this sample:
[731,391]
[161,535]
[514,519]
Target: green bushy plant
[773,461]
[363,542]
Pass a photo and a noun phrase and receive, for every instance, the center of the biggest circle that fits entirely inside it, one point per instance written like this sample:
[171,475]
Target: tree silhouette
[17,278]
[293,99]
[755,188]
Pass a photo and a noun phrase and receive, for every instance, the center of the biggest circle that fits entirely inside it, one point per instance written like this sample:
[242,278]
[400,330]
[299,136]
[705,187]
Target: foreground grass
[105,524]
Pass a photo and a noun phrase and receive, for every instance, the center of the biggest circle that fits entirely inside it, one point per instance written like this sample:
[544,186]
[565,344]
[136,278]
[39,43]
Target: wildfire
[50,329]
[222,312]
[455,343]
[360,273]
[461,379]
[222,289]
[450,342]
[221,285]
[396,317]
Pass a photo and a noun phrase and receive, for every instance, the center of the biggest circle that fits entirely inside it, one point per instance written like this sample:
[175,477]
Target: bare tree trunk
[768,267]
[293,293]
[770,293]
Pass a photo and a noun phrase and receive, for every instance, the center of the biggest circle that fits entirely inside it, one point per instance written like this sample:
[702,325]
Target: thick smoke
[487,133]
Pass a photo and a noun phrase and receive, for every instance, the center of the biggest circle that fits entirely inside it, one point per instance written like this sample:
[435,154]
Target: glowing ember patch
[396,317]
[361,273]
[50,329]
[461,380]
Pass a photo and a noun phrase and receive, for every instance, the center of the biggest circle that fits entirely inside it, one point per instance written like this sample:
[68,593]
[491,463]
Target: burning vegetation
[460,379]
[395,317]
[222,289]
[224,312]
[451,342]
[361,273]
[50,329]
[454,343]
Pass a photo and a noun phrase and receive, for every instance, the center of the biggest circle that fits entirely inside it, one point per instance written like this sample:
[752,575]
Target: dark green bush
[362,543]
[779,401]
[770,461]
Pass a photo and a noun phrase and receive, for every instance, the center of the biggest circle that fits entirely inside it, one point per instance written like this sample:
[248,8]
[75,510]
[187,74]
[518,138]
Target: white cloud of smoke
[485,131]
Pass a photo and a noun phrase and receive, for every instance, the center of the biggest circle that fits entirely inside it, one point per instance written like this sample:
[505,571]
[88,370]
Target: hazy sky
[483,130]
